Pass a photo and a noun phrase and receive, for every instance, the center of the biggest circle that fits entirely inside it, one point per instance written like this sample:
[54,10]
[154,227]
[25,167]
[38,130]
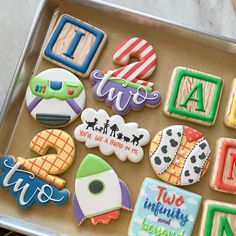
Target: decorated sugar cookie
[99,193]
[112,135]
[162,209]
[179,155]
[34,181]
[218,218]
[126,88]
[230,116]
[223,177]
[55,97]
[75,45]
[194,96]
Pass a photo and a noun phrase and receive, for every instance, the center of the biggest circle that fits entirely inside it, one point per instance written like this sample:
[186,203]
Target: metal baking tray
[221,50]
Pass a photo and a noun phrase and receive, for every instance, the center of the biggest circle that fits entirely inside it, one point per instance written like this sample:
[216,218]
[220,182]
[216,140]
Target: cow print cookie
[179,155]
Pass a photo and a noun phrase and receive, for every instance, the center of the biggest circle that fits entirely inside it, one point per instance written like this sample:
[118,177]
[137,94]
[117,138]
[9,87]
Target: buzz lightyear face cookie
[55,97]
[179,155]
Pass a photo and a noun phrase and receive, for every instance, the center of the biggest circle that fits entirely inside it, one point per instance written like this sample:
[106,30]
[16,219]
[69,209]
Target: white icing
[94,204]
[111,97]
[54,105]
[171,151]
[108,144]
[18,187]
[189,166]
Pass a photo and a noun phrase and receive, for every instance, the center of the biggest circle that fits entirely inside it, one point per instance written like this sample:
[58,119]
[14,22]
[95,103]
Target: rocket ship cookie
[99,193]
[55,97]
[179,155]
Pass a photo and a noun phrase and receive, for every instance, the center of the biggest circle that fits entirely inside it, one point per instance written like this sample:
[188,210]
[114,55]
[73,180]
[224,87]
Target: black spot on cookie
[193,159]
[202,146]
[179,134]
[173,143]
[190,181]
[197,169]
[202,156]
[164,149]
[186,173]
[169,132]
[167,159]
[157,160]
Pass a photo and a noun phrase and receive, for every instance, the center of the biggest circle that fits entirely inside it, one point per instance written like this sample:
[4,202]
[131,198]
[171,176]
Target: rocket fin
[126,198]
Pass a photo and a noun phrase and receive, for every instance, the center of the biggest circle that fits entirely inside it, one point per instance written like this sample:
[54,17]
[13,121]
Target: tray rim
[221,42]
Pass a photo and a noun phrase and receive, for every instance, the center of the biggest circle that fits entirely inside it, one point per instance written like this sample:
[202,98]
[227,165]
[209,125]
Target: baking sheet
[172,51]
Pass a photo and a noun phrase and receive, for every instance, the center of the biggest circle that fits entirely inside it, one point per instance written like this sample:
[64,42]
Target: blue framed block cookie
[75,45]
[163,209]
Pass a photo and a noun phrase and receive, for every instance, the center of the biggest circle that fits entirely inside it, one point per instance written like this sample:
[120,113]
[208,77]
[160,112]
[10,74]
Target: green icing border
[194,74]
[130,84]
[210,215]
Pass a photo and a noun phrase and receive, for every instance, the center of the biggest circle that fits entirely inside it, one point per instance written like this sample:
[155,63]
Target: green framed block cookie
[218,219]
[193,96]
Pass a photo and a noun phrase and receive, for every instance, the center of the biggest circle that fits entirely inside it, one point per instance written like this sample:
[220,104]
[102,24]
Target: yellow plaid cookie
[49,165]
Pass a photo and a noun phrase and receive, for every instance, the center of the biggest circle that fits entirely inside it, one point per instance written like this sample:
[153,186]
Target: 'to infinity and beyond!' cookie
[179,155]
[55,97]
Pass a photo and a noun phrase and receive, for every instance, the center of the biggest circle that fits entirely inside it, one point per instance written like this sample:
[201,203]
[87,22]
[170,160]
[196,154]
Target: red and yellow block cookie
[230,116]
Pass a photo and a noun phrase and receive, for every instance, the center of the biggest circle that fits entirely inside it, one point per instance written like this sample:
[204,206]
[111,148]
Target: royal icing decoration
[126,87]
[75,45]
[162,209]
[55,97]
[230,117]
[194,96]
[179,155]
[99,193]
[26,187]
[218,218]
[34,180]
[112,135]
[39,174]
[223,172]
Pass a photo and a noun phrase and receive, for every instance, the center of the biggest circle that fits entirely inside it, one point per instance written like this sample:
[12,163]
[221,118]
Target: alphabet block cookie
[162,209]
[179,155]
[55,97]
[75,45]
[99,193]
[223,176]
[112,135]
[230,116]
[218,219]
[193,96]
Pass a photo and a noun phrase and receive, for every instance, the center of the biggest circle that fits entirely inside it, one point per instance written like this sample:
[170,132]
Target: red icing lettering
[232,165]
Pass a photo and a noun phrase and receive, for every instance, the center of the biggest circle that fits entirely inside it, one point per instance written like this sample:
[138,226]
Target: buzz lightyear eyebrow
[61,90]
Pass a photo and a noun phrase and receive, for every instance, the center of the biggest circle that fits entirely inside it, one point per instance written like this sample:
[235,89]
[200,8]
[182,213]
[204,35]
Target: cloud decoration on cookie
[112,135]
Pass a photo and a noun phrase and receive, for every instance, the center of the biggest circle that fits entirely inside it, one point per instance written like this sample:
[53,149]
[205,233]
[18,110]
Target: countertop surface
[214,16]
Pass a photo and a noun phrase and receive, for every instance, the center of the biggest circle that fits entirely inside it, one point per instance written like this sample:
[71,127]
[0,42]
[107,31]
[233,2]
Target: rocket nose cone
[92,165]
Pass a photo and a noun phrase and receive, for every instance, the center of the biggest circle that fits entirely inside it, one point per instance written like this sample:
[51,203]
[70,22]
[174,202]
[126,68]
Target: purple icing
[121,98]
[34,103]
[76,108]
[77,211]
[126,199]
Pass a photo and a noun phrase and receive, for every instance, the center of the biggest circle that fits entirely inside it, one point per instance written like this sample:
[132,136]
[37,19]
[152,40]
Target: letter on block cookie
[218,219]
[75,45]
[223,172]
[193,96]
